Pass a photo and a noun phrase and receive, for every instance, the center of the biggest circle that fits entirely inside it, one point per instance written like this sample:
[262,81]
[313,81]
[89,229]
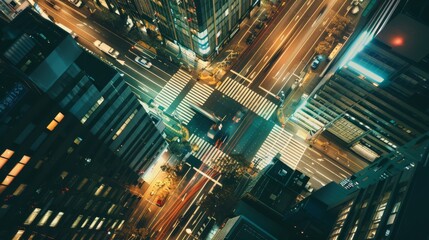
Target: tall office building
[386,200]
[73,137]
[377,98]
[391,198]
[197,27]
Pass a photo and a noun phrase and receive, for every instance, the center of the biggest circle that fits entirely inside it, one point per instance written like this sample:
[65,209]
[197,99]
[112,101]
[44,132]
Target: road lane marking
[297,51]
[72,9]
[268,37]
[147,70]
[241,76]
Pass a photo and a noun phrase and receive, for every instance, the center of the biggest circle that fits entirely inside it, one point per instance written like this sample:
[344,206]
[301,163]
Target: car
[106,49]
[316,61]
[355,10]
[221,141]
[144,62]
[53,4]
[239,115]
[260,25]
[315,64]
[214,130]
[250,38]
[77,3]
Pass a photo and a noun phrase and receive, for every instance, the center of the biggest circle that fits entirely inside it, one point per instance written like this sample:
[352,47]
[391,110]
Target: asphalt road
[271,64]
[283,50]
[147,83]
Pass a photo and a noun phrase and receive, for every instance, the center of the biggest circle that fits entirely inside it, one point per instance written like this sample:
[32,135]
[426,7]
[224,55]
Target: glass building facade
[201,26]
[390,200]
[74,137]
[378,98]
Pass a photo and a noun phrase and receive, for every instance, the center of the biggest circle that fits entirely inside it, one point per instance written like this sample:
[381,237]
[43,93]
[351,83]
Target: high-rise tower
[73,136]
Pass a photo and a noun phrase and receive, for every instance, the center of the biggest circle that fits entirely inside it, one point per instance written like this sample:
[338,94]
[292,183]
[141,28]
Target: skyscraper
[197,27]
[74,136]
[378,97]
[386,200]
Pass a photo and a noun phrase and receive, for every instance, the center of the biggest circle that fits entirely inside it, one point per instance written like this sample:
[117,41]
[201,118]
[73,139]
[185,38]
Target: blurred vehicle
[260,25]
[250,38]
[221,141]
[53,4]
[77,3]
[214,130]
[355,9]
[106,49]
[239,115]
[144,62]
[161,197]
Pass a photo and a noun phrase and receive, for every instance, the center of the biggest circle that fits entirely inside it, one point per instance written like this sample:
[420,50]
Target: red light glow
[398,41]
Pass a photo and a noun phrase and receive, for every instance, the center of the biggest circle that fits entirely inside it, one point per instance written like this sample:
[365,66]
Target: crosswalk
[210,155]
[172,89]
[280,141]
[247,98]
[198,94]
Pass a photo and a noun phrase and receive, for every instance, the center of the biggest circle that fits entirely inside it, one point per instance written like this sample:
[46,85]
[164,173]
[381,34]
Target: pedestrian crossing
[198,94]
[210,155]
[172,89]
[280,141]
[248,98]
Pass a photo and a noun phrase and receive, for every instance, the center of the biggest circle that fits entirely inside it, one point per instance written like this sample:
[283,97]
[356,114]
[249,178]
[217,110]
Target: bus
[335,51]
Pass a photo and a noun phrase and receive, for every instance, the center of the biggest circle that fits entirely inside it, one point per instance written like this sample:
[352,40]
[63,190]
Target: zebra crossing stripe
[247,97]
[280,141]
[198,94]
[249,100]
[207,153]
[172,89]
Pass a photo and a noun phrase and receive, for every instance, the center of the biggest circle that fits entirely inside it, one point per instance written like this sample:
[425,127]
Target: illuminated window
[18,235]
[7,180]
[92,110]
[76,222]
[107,191]
[120,225]
[124,125]
[85,222]
[100,224]
[45,218]
[114,224]
[82,183]
[32,216]
[111,209]
[93,222]
[56,219]
[59,117]
[53,124]
[77,140]
[25,159]
[99,189]
[2,188]
[7,153]
[19,189]
[2,161]
[16,170]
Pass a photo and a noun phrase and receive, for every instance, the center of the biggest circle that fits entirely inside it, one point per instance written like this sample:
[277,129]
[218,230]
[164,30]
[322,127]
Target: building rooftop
[400,35]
